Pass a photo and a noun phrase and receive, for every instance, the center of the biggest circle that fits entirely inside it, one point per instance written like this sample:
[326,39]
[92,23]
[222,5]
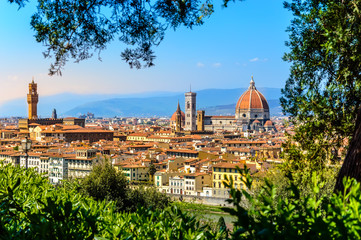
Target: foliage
[152,170]
[297,216]
[31,208]
[147,197]
[77,29]
[106,183]
[284,176]
[323,93]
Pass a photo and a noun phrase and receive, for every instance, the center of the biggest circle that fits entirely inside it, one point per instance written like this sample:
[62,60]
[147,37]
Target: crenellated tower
[33,99]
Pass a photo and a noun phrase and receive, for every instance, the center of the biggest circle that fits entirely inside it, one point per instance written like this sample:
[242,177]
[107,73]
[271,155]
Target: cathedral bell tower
[190,124]
[33,99]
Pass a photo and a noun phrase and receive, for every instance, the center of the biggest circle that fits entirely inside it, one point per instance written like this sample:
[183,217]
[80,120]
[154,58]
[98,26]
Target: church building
[251,113]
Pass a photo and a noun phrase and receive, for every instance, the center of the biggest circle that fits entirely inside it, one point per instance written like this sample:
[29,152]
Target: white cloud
[256,59]
[217,65]
[13,77]
[200,64]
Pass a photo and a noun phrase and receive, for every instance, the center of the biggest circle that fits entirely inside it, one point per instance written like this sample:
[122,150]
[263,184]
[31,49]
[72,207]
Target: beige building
[225,171]
[80,165]
[194,183]
[134,172]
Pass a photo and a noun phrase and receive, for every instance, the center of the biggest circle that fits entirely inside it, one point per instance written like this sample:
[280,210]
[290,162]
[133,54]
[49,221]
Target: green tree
[31,208]
[76,29]
[152,170]
[297,216]
[105,183]
[323,92]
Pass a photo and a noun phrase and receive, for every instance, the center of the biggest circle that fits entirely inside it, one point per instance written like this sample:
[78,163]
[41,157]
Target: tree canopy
[323,93]
[79,28]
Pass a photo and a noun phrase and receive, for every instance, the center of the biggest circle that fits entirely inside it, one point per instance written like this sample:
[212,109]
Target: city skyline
[235,43]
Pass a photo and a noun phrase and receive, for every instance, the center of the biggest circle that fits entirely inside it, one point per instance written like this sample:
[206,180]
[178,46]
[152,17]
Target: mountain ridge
[147,104]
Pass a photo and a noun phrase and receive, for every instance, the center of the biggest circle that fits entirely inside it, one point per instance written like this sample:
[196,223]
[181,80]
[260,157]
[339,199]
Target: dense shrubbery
[105,183]
[301,215]
[31,208]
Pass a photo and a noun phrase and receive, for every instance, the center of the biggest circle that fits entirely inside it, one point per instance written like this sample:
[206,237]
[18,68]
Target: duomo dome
[251,106]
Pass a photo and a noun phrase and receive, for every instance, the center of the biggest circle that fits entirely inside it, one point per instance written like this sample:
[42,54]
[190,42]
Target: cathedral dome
[173,118]
[268,123]
[252,99]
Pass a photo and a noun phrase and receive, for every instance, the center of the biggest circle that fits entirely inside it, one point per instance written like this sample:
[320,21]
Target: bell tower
[33,99]
[190,124]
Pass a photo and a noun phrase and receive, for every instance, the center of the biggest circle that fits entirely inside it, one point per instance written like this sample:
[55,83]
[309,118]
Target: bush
[308,216]
[31,208]
[105,183]
[147,197]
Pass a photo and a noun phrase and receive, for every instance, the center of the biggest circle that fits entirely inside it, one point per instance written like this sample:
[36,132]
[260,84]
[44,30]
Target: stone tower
[200,120]
[33,99]
[178,119]
[190,112]
[54,115]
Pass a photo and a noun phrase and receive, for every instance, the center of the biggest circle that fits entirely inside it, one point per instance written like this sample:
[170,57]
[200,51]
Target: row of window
[220,185]
[176,183]
[231,170]
[220,177]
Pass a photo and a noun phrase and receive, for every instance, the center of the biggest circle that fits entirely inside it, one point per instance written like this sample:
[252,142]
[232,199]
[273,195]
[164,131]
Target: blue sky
[245,39]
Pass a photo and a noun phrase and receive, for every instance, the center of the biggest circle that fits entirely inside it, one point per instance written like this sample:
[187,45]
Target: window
[235,177]
[255,115]
[219,185]
[244,115]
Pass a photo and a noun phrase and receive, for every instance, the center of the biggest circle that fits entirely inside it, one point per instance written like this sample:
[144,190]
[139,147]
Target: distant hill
[213,101]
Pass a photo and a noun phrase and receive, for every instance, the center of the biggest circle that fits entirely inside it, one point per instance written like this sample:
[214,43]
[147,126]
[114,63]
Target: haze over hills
[213,101]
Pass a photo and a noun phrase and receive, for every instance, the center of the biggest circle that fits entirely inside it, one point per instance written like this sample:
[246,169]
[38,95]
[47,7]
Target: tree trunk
[351,166]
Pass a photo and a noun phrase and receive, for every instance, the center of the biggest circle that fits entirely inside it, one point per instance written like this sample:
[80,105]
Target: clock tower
[33,99]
